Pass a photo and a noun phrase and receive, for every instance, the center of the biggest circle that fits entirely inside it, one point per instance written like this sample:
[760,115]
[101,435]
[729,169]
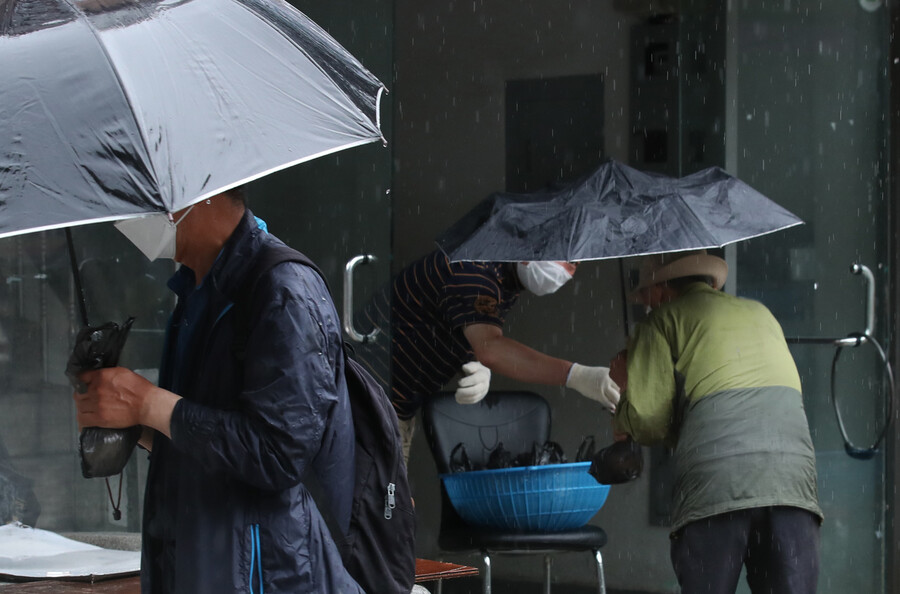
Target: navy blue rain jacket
[245,435]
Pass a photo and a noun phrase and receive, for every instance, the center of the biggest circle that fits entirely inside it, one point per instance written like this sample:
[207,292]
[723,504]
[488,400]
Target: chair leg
[601,579]
[439,589]
[547,563]
[486,576]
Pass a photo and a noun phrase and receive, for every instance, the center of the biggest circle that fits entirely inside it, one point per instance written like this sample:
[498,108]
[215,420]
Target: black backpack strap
[267,258]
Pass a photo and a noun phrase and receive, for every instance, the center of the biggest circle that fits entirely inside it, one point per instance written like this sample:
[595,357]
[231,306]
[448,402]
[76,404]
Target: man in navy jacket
[233,436]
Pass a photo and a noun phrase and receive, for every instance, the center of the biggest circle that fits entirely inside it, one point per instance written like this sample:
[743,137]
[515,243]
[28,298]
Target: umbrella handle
[76,276]
[623,279]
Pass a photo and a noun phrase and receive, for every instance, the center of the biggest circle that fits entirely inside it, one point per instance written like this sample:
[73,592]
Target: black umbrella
[614,212]
[114,108]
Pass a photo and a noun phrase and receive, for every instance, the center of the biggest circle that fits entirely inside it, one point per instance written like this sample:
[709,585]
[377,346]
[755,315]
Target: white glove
[475,384]
[595,383]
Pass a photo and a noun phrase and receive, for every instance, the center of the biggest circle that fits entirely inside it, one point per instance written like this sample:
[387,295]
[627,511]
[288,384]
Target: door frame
[892,453]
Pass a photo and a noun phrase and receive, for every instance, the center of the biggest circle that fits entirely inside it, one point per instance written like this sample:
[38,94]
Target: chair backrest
[517,419]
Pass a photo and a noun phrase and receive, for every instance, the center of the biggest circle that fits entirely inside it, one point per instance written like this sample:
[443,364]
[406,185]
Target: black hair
[238,194]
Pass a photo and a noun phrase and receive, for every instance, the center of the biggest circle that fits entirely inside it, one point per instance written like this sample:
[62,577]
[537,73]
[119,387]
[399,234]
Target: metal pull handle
[856,338]
[349,328]
[870,296]
[870,308]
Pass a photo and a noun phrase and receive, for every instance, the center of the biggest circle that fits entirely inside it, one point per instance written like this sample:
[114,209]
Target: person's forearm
[515,360]
[645,409]
[156,410]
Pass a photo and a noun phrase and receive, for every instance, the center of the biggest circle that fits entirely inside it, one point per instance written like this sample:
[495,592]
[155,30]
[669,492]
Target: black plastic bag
[585,450]
[104,452]
[549,453]
[500,457]
[459,460]
[620,462]
[525,458]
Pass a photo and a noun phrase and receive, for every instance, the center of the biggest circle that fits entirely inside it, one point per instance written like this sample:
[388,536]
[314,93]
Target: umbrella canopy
[115,108]
[615,212]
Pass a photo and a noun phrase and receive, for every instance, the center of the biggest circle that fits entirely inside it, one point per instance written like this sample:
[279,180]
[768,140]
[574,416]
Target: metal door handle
[870,296]
[856,338]
[349,328]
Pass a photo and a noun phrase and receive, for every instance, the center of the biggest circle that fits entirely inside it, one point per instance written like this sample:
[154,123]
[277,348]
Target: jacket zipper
[389,500]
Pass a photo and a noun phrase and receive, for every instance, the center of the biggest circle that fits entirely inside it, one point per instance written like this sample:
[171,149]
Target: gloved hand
[595,383]
[475,384]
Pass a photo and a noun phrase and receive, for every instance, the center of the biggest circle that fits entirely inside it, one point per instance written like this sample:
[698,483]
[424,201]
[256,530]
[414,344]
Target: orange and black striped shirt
[432,301]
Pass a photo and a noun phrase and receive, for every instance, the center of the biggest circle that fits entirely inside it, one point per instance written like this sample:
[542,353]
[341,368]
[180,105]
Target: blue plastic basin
[546,498]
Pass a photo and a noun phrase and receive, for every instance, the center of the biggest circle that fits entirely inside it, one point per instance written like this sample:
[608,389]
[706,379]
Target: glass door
[809,94]
[337,209]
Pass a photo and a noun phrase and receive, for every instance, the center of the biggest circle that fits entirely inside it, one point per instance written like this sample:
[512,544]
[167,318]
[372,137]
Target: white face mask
[153,234]
[542,278]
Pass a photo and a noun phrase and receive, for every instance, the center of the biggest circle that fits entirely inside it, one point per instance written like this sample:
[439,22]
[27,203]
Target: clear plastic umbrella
[114,108]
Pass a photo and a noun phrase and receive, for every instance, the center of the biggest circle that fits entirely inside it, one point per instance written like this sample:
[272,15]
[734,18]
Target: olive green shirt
[742,440]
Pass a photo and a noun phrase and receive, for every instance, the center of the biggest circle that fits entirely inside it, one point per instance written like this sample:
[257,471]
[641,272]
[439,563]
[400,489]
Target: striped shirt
[432,301]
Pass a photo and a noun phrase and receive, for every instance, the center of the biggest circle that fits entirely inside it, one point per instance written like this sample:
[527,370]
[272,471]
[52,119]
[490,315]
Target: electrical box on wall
[678,92]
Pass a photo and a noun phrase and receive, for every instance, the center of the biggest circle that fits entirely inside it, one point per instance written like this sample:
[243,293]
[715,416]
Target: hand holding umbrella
[104,448]
[116,397]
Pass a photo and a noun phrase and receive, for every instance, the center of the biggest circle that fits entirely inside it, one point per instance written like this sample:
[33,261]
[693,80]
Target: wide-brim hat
[659,268]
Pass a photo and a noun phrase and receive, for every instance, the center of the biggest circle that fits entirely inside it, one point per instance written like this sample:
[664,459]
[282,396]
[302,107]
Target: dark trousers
[778,545]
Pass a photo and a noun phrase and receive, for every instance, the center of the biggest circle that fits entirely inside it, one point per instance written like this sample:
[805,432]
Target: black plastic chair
[518,420]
